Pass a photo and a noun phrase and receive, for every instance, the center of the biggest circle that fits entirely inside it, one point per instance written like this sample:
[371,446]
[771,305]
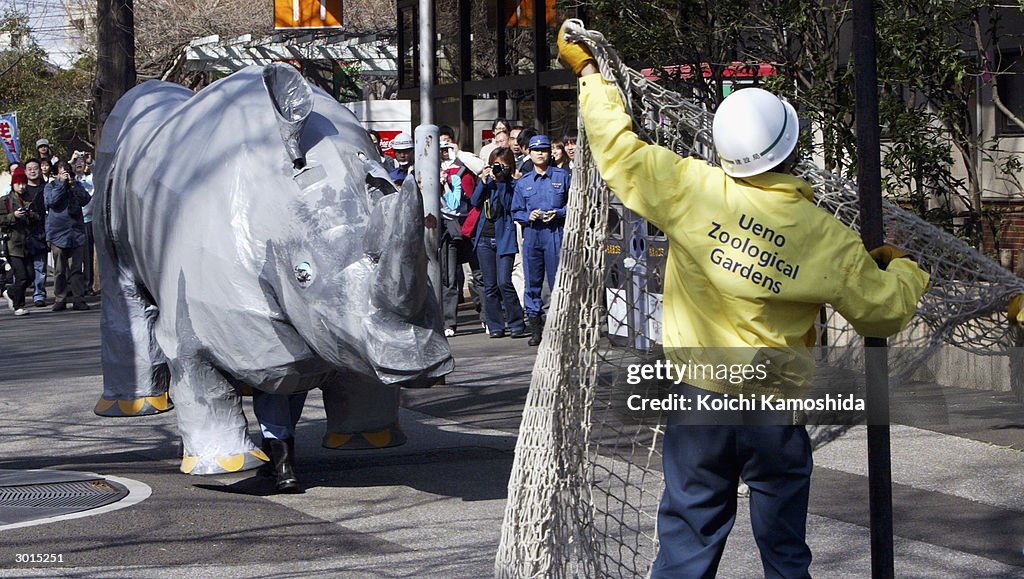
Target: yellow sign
[292,14]
[520,13]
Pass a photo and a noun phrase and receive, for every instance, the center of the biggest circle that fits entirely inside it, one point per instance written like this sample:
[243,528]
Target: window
[408,42]
[1011,92]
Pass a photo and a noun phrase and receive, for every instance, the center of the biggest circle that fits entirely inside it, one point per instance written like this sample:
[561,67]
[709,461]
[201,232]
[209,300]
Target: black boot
[536,329]
[282,453]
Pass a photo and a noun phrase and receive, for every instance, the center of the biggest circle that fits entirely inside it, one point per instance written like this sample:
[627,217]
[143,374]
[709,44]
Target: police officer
[539,206]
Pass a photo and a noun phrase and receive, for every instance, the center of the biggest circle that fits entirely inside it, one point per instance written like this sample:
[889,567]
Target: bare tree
[370,17]
[163,28]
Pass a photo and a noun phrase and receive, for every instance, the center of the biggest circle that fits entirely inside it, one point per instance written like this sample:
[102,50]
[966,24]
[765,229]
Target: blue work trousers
[498,289]
[703,465]
[541,247]
[277,413]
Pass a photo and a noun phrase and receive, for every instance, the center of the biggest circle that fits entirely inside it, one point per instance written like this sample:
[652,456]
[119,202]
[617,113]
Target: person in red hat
[16,218]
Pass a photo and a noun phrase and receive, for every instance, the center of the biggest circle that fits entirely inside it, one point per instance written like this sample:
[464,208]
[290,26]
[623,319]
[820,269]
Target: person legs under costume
[278,414]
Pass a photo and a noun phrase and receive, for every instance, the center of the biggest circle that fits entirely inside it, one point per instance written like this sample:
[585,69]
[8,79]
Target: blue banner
[9,136]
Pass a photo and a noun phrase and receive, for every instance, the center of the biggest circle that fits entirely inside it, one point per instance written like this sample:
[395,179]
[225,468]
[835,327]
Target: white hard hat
[402,141]
[754,131]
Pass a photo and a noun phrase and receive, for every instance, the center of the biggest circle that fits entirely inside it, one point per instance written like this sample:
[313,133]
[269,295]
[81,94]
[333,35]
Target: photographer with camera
[65,230]
[84,178]
[16,220]
[496,245]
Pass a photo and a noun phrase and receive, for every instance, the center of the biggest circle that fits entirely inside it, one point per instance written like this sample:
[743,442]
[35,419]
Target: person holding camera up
[16,220]
[65,230]
[539,205]
[84,178]
[496,245]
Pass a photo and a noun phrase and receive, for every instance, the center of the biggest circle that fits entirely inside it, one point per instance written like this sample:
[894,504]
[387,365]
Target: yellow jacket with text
[750,262]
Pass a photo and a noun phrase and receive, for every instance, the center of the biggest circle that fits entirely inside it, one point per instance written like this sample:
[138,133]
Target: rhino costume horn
[401,283]
[245,264]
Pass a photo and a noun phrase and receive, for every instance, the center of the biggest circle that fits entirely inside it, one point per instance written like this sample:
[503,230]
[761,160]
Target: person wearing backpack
[458,184]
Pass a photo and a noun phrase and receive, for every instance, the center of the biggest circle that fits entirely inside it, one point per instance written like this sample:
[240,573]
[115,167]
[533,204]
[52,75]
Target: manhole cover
[34,495]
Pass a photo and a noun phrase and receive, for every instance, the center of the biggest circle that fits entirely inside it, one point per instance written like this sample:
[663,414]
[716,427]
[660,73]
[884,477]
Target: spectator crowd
[503,213]
[45,226]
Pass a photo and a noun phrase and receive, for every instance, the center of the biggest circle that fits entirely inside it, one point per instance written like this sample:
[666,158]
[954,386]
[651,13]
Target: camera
[497,168]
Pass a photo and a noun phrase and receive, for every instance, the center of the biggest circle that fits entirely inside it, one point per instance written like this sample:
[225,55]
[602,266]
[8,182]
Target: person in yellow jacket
[751,261]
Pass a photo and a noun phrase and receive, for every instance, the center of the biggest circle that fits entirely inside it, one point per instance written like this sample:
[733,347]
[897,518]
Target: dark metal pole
[541,55]
[428,157]
[869,184]
[501,50]
[466,125]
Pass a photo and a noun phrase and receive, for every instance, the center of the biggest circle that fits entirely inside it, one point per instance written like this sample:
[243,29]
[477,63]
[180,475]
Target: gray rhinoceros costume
[249,238]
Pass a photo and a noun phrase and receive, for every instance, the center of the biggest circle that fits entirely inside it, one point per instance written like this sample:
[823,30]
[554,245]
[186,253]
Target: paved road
[433,507]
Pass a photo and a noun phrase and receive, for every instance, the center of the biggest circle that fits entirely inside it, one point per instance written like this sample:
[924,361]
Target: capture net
[586,480]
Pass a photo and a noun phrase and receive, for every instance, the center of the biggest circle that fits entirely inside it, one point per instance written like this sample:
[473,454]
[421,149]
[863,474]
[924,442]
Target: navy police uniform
[542,240]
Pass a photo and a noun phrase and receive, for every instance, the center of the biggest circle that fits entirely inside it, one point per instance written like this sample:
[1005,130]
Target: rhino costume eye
[303,274]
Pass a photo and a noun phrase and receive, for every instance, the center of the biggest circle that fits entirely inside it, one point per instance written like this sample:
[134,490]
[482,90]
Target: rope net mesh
[586,480]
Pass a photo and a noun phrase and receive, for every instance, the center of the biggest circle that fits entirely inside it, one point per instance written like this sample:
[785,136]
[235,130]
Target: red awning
[734,70]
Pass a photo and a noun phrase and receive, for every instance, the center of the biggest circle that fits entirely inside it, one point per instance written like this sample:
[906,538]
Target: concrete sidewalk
[433,507]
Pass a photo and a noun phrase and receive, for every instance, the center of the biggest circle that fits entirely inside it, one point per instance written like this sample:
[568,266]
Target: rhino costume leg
[213,427]
[362,413]
[214,431]
[135,374]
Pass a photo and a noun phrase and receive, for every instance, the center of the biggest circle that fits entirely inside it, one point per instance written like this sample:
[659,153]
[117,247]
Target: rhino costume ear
[293,101]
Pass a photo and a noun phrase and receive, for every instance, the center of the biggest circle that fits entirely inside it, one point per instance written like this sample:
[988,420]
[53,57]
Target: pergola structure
[375,57]
[493,50]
